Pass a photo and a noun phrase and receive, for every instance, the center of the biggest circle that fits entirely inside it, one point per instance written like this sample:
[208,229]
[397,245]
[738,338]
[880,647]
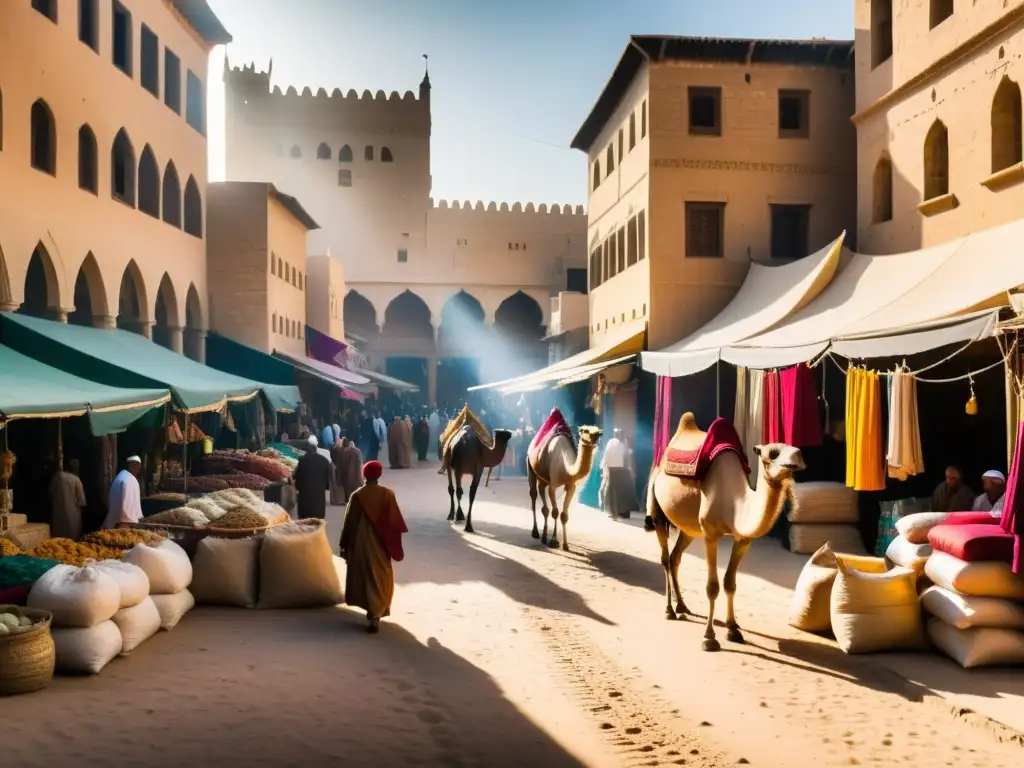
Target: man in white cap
[993,483]
[124,506]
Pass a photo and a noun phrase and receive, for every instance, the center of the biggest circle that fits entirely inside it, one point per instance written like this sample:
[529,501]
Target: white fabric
[380,429]
[77,597]
[124,504]
[982,504]
[133,460]
[904,456]
[86,650]
[752,430]
[995,474]
[614,454]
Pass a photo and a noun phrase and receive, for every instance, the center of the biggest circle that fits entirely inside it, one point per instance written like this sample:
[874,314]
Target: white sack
[167,566]
[77,597]
[226,572]
[914,528]
[297,567]
[913,556]
[137,624]
[809,609]
[874,612]
[967,612]
[979,647]
[173,608]
[86,650]
[985,579]
[132,580]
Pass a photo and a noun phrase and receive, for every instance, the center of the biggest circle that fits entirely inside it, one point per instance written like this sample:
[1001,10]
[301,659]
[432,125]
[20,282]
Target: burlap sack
[805,538]
[297,567]
[225,572]
[810,608]
[874,612]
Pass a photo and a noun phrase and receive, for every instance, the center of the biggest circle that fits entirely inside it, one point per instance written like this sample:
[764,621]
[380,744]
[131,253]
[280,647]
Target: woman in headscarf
[371,539]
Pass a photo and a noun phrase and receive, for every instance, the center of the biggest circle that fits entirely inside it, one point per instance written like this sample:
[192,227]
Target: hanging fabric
[740,410]
[771,430]
[801,425]
[662,416]
[853,381]
[754,428]
[904,453]
[1012,521]
[865,465]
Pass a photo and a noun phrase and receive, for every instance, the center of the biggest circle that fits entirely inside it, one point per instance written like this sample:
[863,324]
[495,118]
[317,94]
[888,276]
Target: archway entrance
[407,339]
[463,341]
[6,299]
[131,302]
[195,332]
[41,293]
[90,295]
[166,328]
[359,316]
[519,321]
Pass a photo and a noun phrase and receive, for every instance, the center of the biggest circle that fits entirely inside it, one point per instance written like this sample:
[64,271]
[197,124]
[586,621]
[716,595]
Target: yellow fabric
[865,461]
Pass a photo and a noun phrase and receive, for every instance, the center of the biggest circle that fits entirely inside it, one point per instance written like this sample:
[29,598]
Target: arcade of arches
[91,308]
[446,355]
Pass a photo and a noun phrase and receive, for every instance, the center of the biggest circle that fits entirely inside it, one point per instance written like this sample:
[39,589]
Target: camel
[713,501]
[559,465]
[466,454]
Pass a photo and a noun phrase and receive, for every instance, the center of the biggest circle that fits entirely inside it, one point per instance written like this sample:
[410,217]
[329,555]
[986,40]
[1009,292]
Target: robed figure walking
[312,481]
[421,438]
[371,539]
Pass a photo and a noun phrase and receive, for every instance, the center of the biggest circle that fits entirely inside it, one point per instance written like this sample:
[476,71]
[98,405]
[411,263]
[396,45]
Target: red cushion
[15,595]
[973,543]
[971,518]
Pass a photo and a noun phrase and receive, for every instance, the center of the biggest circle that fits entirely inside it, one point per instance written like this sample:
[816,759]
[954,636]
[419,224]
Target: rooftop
[643,49]
[203,20]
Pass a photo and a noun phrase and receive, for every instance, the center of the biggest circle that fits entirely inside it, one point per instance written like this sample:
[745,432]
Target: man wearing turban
[371,539]
[313,481]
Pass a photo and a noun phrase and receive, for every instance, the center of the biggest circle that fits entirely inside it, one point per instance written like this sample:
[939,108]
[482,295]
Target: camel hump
[688,426]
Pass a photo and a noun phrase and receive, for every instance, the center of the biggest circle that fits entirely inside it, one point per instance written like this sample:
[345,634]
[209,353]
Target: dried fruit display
[72,552]
[8,547]
[122,538]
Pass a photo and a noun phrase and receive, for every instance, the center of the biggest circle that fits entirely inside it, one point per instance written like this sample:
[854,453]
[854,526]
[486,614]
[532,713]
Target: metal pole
[184,456]
[718,388]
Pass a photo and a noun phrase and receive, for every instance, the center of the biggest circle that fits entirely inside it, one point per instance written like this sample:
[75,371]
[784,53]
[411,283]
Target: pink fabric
[662,416]
[971,518]
[973,543]
[721,437]
[772,429]
[1011,522]
[554,424]
[801,426]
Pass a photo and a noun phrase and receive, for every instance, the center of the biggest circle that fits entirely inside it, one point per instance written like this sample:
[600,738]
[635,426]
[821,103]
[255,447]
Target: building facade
[103,163]
[938,120]
[706,155]
[257,268]
[325,295]
[361,163]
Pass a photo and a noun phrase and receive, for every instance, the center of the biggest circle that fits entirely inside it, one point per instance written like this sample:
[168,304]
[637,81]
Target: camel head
[779,461]
[589,436]
[502,436]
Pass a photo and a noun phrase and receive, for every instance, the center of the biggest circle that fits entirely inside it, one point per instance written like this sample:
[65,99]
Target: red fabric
[801,426]
[389,524]
[372,470]
[973,543]
[662,417]
[721,437]
[1012,522]
[772,430]
[971,518]
[15,595]
[554,424]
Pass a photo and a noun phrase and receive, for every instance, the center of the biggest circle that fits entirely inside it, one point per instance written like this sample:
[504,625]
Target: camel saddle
[692,451]
[465,420]
[554,425]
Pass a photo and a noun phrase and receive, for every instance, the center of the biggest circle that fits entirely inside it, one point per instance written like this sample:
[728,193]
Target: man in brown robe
[351,468]
[395,443]
[371,538]
[338,495]
[406,443]
[68,499]
[952,495]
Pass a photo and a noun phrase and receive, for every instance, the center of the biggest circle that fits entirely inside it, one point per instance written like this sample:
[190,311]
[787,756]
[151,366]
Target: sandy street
[500,652]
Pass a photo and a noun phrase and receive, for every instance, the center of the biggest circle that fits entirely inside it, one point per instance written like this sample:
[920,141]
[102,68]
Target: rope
[964,377]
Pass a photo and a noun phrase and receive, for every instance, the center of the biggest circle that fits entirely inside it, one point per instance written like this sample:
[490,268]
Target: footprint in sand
[633,731]
[404,686]
[430,716]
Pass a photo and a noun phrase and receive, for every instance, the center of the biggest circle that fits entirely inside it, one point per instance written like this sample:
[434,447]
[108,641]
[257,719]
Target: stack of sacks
[137,618]
[910,548]
[976,618]
[170,573]
[83,602]
[824,513]
[875,612]
[812,596]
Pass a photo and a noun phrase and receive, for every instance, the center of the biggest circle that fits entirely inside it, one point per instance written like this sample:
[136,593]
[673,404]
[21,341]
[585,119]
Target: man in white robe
[124,506]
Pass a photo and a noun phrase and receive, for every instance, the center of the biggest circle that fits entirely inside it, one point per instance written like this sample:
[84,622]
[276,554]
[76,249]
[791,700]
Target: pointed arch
[195,327]
[386,156]
[88,160]
[193,208]
[6,296]
[149,183]
[408,316]
[323,152]
[936,161]
[345,154]
[90,293]
[171,195]
[597,173]
[165,313]
[122,169]
[42,288]
[881,201]
[1007,128]
[359,314]
[132,302]
[520,315]
[609,159]
[461,308]
[368,152]
[44,138]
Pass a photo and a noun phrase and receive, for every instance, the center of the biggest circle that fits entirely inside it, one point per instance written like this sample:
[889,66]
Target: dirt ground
[503,652]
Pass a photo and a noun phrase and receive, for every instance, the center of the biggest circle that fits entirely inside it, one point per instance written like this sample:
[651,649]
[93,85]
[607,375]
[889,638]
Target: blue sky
[512,79]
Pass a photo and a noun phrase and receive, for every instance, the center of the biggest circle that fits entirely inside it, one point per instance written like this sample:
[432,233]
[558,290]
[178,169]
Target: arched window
[122,169]
[172,195]
[368,152]
[296,152]
[882,191]
[632,130]
[88,176]
[149,183]
[1007,130]
[936,161]
[323,152]
[385,155]
[597,174]
[609,159]
[345,154]
[44,138]
[193,208]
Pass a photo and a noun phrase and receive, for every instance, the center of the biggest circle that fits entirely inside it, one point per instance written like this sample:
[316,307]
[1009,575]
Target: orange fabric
[379,506]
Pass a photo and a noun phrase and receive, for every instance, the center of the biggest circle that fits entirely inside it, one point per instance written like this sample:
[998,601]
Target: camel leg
[711,555]
[532,476]
[451,496]
[666,562]
[459,517]
[542,491]
[682,542]
[570,491]
[553,541]
[487,484]
[739,551]
[472,495]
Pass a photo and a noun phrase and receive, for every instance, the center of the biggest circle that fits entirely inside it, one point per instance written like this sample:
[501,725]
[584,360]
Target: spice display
[179,498]
[122,538]
[184,516]
[72,552]
[8,547]
[242,517]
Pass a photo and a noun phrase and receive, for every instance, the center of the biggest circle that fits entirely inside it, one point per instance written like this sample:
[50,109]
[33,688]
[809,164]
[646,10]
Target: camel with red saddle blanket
[554,461]
[701,487]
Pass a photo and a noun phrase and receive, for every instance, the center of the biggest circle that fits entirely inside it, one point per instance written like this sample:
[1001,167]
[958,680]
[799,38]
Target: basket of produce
[27,655]
[72,552]
[123,538]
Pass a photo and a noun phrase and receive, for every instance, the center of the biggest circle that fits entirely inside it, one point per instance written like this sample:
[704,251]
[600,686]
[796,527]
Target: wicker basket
[188,538]
[27,658]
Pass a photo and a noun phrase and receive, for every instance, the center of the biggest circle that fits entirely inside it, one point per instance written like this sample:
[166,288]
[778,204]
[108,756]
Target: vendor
[67,499]
[952,495]
[993,485]
[124,507]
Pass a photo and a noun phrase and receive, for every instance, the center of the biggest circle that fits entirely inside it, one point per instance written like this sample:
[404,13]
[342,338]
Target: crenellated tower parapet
[492,207]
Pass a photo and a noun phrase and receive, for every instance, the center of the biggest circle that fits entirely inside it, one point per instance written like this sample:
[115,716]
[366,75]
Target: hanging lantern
[971,409]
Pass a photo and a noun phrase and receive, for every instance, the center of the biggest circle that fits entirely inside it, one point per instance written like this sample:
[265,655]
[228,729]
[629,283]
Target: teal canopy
[239,359]
[126,360]
[30,389]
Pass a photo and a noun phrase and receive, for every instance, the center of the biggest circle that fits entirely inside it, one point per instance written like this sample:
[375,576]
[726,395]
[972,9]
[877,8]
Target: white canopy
[768,295]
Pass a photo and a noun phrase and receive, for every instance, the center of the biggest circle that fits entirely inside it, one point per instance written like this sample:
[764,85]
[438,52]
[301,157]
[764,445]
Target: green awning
[30,389]
[123,359]
[276,377]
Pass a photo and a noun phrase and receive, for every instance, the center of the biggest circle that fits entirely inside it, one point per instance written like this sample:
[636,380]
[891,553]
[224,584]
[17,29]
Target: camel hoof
[535,533]
[648,523]
[710,645]
[670,615]
[565,547]
[460,518]
[553,543]
[682,610]
[735,636]
[450,518]
[468,529]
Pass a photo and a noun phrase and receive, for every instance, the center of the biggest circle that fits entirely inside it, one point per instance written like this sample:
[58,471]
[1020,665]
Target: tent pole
[718,389]
[184,456]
